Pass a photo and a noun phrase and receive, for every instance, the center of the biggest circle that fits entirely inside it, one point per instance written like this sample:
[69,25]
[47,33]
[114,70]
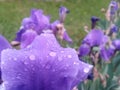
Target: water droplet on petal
[15,59]
[32,57]
[90,66]
[62,51]
[69,56]
[53,54]
[2,62]
[76,63]
[86,70]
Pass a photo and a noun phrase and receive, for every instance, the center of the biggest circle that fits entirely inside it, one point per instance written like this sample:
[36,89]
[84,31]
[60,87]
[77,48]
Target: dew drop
[69,56]
[32,57]
[2,62]
[15,59]
[90,66]
[86,70]
[62,51]
[76,63]
[53,54]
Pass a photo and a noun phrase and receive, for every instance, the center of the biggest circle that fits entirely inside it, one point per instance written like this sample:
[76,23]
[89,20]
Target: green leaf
[103,24]
[116,61]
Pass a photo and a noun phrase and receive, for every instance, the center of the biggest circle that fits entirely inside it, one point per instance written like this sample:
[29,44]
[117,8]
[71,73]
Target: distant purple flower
[61,30]
[4,44]
[107,53]
[42,21]
[94,20]
[62,13]
[95,38]
[116,44]
[37,21]
[114,7]
[84,50]
[43,65]
[114,28]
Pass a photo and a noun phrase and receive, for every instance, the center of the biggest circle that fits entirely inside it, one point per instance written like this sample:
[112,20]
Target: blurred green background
[13,11]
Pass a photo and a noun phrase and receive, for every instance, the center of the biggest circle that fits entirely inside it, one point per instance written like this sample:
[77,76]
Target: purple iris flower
[42,21]
[94,20]
[114,7]
[43,65]
[107,53]
[84,50]
[116,44]
[95,38]
[4,44]
[37,22]
[55,28]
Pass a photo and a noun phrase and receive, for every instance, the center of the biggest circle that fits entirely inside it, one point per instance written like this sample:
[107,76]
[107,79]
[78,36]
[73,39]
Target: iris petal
[95,38]
[66,37]
[44,65]
[4,44]
[27,38]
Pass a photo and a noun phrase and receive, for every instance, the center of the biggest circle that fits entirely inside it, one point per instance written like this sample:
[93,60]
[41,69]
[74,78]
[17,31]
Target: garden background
[13,11]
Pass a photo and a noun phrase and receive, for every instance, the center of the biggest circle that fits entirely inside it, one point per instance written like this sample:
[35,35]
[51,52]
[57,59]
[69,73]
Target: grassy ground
[13,11]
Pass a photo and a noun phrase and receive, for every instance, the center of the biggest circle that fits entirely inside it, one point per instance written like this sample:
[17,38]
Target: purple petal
[107,53]
[19,34]
[95,38]
[84,50]
[44,65]
[114,7]
[114,28]
[40,19]
[62,13]
[116,44]
[27,38]
[28,23]
[4,44]
[66,37]
[94,21]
